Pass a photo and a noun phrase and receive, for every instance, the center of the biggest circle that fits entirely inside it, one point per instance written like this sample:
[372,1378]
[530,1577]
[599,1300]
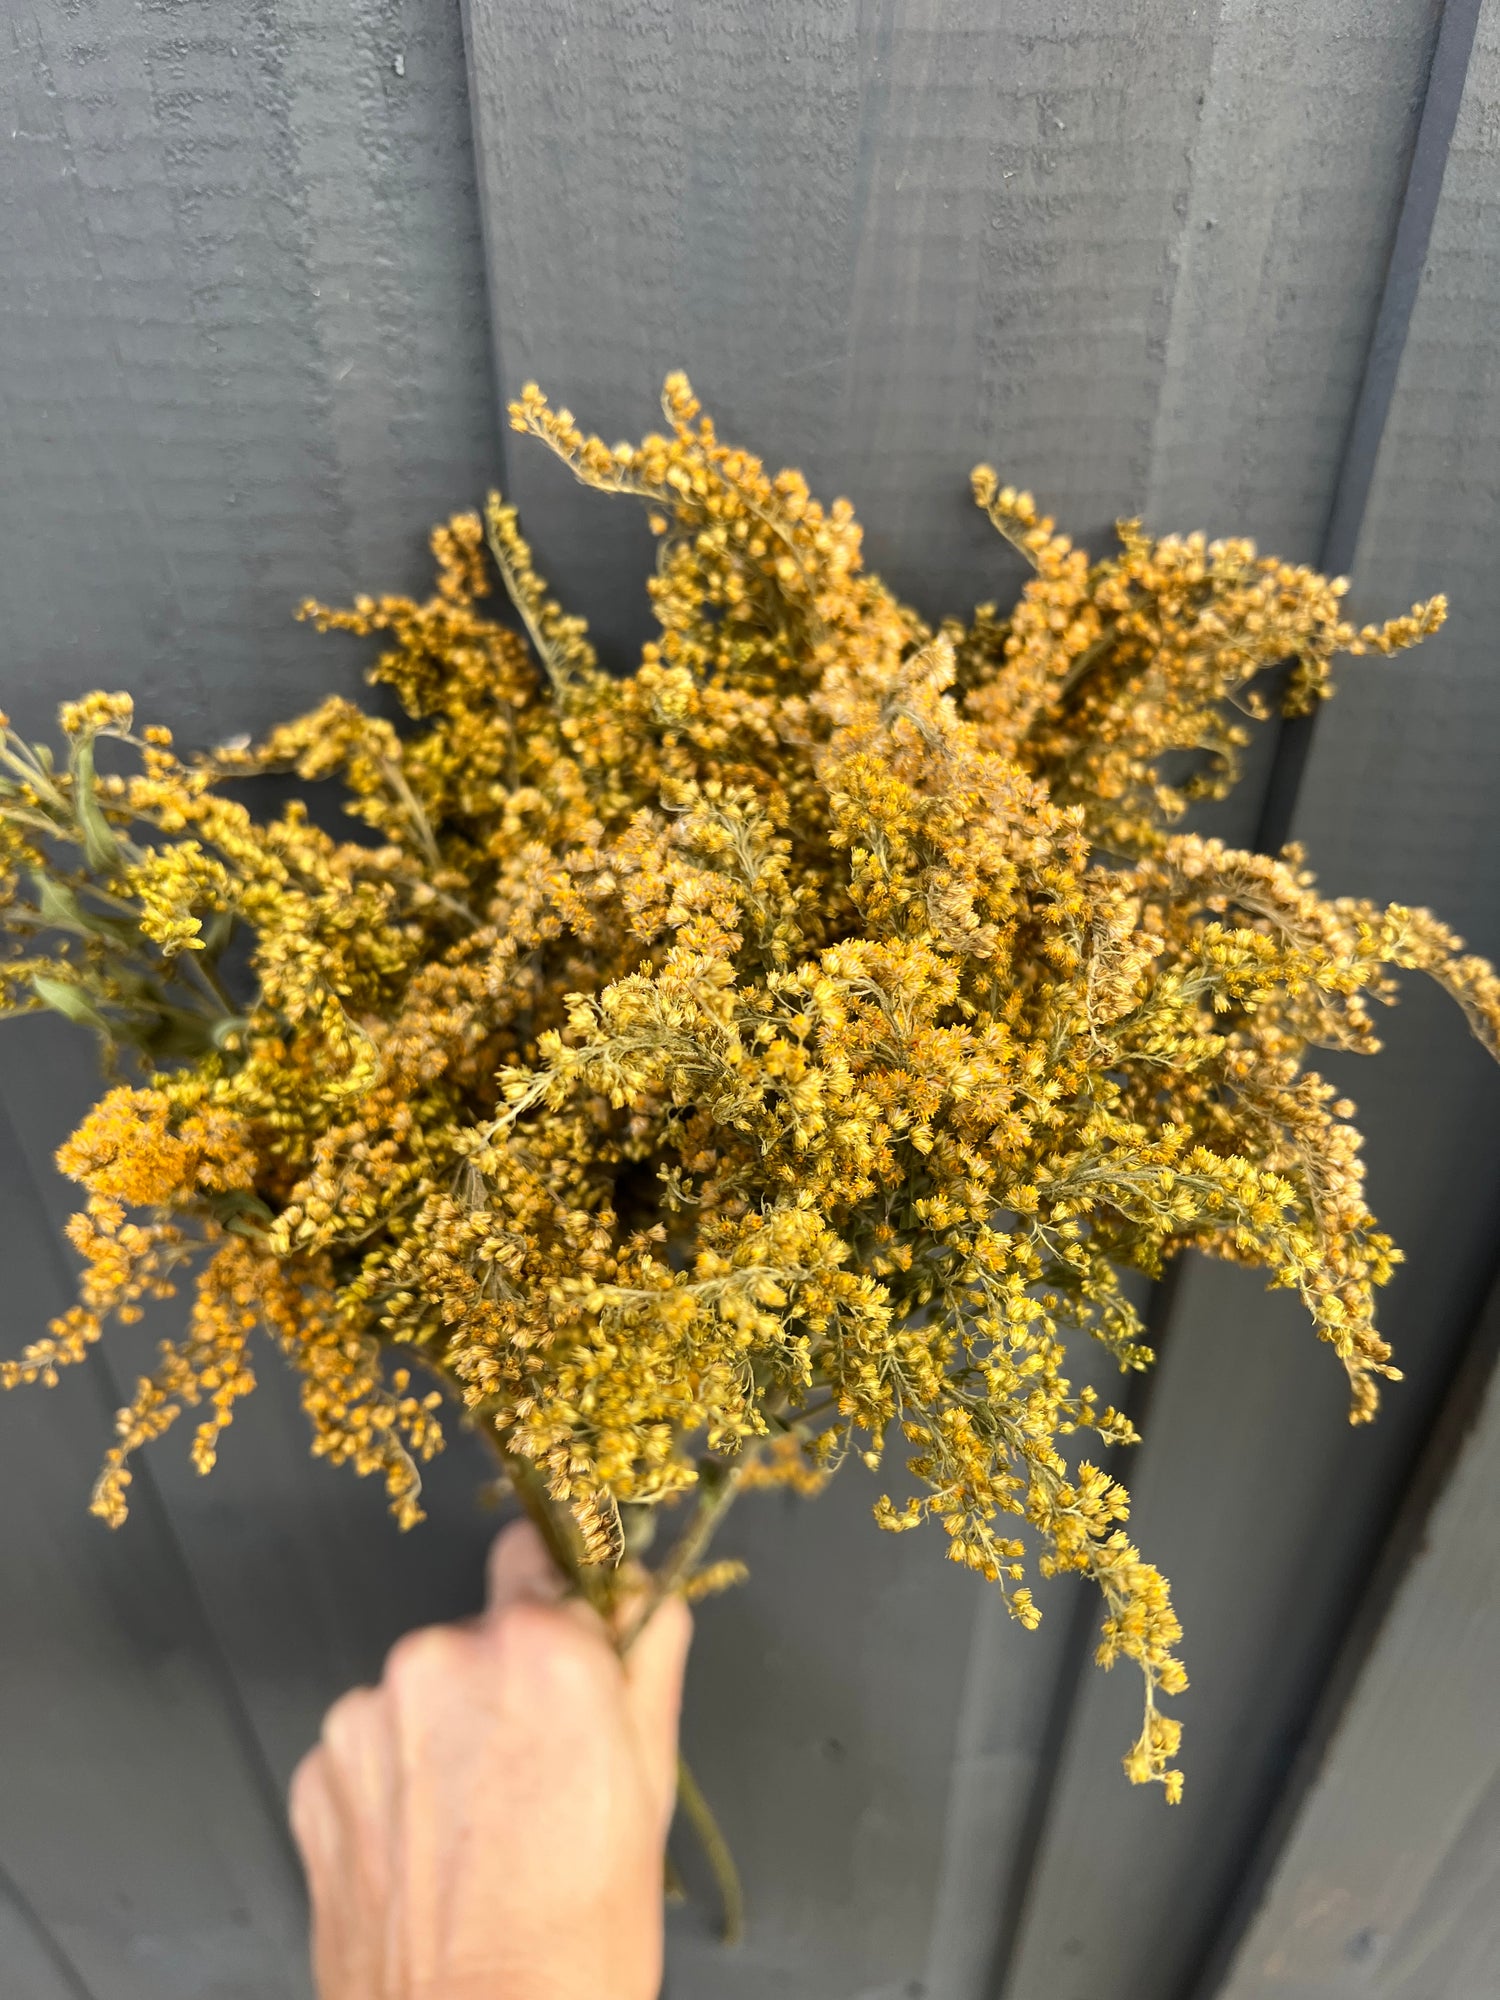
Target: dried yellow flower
[694,1076]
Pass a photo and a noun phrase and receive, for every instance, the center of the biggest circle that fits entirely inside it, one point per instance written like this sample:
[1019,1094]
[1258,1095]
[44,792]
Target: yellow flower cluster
[697,1075]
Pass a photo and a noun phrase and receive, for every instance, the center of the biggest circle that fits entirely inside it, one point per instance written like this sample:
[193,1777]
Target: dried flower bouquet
[689,1077]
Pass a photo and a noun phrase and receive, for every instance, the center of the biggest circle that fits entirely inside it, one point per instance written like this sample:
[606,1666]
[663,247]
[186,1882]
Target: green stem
[717,1486]
[209,980]
[699,1816]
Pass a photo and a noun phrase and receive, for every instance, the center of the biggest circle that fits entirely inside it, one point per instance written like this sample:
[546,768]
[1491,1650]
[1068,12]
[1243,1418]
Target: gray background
[269,269]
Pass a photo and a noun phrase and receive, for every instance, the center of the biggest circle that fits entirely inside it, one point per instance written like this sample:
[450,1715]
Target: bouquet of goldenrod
[688,1078]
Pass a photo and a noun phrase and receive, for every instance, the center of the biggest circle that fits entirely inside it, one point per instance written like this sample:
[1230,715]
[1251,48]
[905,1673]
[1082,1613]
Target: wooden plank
[245,340]
[35,1966]
[246,357]
[136,1820]
[1269,1527]
[821,1718]
[1289,230]
[1390,1883]
[1133,255]
[1441,101]
[887,239]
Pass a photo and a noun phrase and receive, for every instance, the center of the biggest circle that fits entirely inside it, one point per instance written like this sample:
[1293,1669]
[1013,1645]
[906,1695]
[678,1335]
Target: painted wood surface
[1269,1522]
[245,356]
[1390,1884]
[244,337]
[1435,495]
[1143,257]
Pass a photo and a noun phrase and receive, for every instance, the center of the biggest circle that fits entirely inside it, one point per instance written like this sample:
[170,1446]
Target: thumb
[520,1566]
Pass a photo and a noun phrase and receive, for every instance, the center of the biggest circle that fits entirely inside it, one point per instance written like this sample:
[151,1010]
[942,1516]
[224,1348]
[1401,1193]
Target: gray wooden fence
[269,268]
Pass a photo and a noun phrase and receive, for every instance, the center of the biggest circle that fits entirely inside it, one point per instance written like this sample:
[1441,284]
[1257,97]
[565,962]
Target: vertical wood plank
[1270,1524]
[1302,152]
[887,238]
[1388,1884]
[821,1715]
[35,1966]
[244,337]
[245,358]
[1134,256]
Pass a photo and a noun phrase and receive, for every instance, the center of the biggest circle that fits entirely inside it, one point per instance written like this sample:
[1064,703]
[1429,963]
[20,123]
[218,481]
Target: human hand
[490,1822]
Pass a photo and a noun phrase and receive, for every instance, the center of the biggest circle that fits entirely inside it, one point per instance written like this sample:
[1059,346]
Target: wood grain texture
[1434,496]
[888,238]
[1397,802]
[246,357]
[1390,1884]
[1299,161]
[244,338]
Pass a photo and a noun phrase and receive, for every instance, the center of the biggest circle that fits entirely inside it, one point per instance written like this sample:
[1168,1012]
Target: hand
[490,1822]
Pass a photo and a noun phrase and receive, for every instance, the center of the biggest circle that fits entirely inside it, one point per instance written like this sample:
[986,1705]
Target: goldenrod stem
[699,1815]
[672,1882]
[717,1487]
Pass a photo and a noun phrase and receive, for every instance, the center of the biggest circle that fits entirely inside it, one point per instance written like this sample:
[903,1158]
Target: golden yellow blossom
[696,1076]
